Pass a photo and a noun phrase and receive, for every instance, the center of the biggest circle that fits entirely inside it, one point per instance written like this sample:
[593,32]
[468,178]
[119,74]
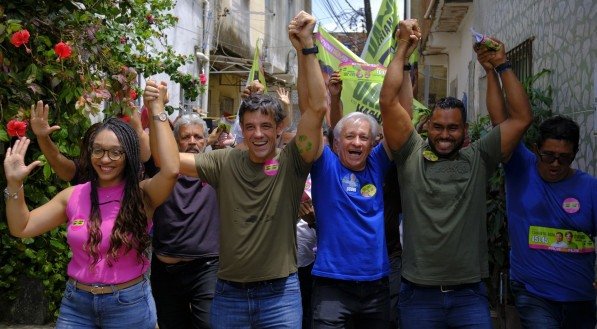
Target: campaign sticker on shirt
[77,224]
[270,167]
[429,155]
[350,183]
[571,205]
[368,190]
[560,240]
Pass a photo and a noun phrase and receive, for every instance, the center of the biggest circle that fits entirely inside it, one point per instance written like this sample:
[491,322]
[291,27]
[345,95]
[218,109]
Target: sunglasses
[563,158]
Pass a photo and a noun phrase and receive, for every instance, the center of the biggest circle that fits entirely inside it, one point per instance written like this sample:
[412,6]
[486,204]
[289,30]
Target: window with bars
[521,58]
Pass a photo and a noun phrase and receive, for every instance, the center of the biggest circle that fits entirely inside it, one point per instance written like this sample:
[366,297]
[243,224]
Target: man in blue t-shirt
[552,286]
[350,275]
[552,280]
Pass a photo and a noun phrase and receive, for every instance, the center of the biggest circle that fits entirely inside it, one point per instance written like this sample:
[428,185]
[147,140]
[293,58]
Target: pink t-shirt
[126,266]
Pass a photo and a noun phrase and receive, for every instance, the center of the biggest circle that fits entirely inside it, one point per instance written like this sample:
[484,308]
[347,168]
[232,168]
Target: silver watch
[162,117]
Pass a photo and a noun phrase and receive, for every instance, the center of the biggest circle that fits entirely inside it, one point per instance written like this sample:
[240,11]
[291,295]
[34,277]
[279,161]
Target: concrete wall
[184,37]
[565,42]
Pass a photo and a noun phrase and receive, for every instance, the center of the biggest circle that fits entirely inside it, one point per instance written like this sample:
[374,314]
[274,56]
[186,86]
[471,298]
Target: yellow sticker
[368,190]
[77,224]
[429,155]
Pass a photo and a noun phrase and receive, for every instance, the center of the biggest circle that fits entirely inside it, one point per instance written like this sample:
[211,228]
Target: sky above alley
[329,23]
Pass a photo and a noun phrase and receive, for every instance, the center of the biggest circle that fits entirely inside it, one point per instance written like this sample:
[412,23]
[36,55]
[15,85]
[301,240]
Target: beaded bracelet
[13,195]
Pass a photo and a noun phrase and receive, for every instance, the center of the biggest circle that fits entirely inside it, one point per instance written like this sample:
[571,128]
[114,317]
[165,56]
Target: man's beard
[193,149]
[457,147]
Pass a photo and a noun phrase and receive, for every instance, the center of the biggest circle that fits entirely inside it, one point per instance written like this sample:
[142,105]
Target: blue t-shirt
[349,212]
[543,208]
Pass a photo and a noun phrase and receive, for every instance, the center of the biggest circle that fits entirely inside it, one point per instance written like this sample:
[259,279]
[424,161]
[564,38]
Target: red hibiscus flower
[20,38]
[133,94]
[62,50]
[202,78]
[16,128]
[124,117]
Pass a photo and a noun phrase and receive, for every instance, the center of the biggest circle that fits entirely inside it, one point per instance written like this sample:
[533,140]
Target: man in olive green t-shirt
[259,191]
[443,187]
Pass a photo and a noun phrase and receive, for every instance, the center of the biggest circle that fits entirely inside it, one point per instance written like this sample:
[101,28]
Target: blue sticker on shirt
[351,184]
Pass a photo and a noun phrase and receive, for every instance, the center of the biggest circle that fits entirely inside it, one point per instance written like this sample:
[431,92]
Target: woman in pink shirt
[107,220]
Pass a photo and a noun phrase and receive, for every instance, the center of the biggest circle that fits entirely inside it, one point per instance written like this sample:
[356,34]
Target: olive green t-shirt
[258,211]
[443,201]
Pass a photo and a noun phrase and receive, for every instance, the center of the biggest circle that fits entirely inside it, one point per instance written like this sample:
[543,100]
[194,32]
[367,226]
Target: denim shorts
[132,307]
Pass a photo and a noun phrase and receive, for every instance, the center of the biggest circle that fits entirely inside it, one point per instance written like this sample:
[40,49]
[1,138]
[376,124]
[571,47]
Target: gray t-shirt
[443,201]
[258,211]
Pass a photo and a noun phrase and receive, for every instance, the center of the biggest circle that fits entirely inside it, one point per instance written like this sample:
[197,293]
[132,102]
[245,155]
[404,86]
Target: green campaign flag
[361,84]
[257,68]
[331,51]
[379,46]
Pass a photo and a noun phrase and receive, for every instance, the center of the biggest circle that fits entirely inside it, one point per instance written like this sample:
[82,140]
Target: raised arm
[64,167]
[283,95]
[158,188]
[336,106]
[23,223]
[393,101]
[309,138]
[301,83]
[406,92]
[519,116]
[496,105]
[145,151]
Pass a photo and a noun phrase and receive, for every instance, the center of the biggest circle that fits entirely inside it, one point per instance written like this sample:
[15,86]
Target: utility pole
[368,21]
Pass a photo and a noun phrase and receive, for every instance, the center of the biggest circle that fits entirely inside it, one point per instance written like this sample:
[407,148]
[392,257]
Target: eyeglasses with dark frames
[563,158]
[113,154]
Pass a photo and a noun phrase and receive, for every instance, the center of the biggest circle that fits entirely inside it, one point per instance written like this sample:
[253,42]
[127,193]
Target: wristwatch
[162,117]
[503,67]
[312,50]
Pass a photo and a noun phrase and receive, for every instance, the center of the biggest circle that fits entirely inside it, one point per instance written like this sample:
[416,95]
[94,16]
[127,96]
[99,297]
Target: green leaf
[7,269]
[29,253]
[57,244]
[47,171]
[3,135]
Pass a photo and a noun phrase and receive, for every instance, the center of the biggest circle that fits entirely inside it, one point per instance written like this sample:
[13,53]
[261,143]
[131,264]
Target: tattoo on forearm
[304,144]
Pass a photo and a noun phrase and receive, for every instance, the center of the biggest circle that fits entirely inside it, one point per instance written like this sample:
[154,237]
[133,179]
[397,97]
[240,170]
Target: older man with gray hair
[350,275]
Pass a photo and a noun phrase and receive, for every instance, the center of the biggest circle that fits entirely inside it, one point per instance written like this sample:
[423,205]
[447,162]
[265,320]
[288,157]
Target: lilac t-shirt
[126,266]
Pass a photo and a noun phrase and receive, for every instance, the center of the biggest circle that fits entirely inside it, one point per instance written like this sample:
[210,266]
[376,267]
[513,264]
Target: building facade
[223,35]
[555,35]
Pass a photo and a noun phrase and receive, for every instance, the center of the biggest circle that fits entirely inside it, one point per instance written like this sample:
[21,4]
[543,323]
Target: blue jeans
[424,307]
[365,304]
[269,304]
[184,292]
[132,307]
[394,278]
[306,284]
[538,312]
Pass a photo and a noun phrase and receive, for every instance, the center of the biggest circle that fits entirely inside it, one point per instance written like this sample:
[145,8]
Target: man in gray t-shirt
[443,188]
[259,191]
